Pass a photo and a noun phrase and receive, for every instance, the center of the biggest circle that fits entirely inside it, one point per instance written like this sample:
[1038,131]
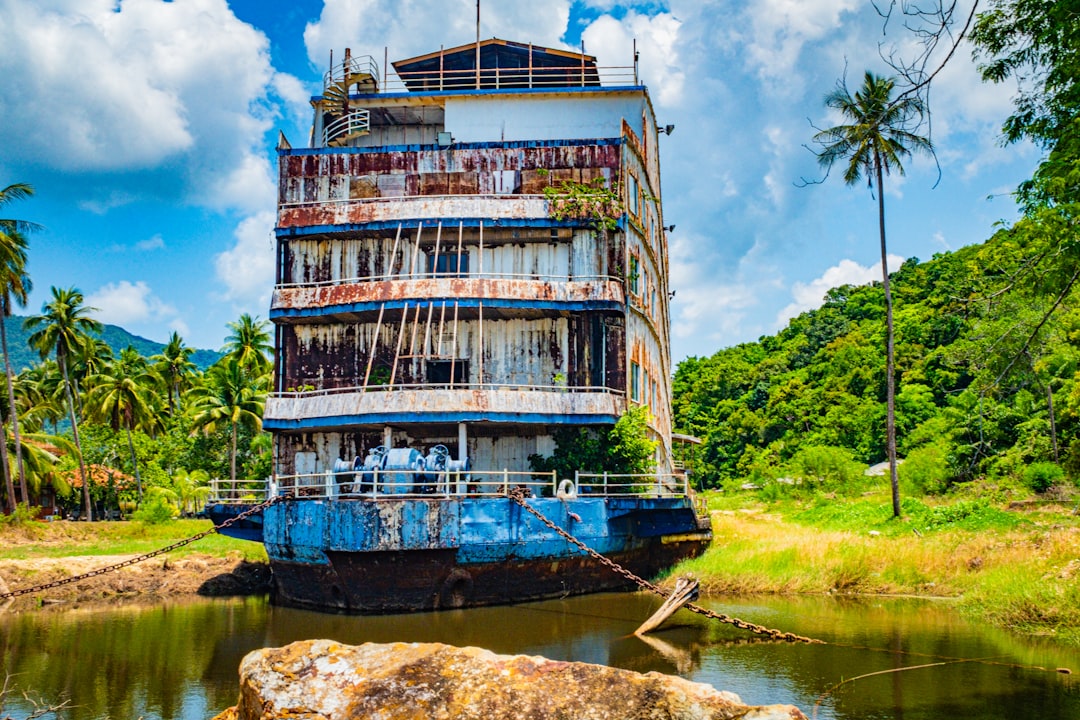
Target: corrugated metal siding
[319,176]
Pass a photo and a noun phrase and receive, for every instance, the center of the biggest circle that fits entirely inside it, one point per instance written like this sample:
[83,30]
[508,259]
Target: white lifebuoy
[567,490]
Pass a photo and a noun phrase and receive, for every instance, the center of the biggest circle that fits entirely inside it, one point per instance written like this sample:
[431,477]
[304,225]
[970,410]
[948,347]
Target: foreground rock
[324,680]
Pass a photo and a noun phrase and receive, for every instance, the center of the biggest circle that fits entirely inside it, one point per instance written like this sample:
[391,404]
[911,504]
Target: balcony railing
[405,484]
[451,275]
[318,392]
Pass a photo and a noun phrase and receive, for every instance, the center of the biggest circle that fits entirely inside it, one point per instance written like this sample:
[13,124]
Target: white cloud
[129,304]
[612,42]
[808,296]
[413,27]
[151,243]
[177,90]
[247,268]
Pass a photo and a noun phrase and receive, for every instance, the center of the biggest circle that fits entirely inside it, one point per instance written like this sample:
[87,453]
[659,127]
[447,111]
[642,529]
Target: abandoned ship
[471,254]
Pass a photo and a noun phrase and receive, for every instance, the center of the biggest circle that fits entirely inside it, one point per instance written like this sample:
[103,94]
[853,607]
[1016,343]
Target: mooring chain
[110,568]
[518,496]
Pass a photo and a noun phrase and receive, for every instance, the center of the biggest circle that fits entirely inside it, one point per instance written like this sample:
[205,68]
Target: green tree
[15,286]
[878,135]
[63,328]
[249,343]
[173,365]
[229,394]
[121,397]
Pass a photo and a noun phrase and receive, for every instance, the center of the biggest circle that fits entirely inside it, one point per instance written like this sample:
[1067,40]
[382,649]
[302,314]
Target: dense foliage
[987,338]
[985,389]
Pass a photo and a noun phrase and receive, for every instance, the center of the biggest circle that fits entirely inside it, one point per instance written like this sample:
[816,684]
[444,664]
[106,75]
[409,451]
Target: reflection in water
[179,660]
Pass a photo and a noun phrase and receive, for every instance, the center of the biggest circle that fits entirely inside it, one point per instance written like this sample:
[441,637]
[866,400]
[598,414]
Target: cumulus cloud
[413,27]
[179,89]
[612,42]
[129,304]
[808,296]
[247,268]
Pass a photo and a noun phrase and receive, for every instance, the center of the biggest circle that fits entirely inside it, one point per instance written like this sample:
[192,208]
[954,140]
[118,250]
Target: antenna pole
[477,44]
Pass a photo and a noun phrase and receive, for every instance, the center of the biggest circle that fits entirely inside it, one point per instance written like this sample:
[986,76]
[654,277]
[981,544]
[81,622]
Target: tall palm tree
[15,286]
[879,133]
[173,365]
[230,393]
[121,396]
[249,343]
[62,328]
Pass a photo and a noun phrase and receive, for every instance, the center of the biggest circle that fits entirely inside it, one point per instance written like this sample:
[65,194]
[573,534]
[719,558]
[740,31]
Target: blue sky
[147,129]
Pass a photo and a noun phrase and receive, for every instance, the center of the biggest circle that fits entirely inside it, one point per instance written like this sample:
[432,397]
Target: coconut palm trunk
[10,377]
[87,509]
[890,362]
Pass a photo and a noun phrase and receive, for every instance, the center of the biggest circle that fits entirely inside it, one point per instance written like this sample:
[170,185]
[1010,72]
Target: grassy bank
[30,540]
[1015,565]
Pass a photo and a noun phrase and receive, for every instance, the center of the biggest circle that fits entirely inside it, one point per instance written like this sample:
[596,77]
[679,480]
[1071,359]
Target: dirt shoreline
[156,578]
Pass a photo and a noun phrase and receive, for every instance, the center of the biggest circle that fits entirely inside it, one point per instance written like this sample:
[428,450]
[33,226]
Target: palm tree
[880,133]
[15,286]
[249,343]
[173,365]
[230,393]
[120,396]
[62,328]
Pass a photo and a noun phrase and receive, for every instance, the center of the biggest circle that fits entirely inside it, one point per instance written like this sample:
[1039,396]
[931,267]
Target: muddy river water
[894,659]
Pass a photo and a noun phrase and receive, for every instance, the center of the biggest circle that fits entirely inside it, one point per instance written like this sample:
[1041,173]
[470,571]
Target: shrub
[826,466]
[22,515]
[1041,475]
[925,470]
[155,511]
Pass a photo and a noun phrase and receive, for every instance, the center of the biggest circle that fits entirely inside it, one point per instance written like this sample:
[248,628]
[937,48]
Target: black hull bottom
[416,580]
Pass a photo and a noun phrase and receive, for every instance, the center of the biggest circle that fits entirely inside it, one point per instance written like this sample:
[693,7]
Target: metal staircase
[344,123]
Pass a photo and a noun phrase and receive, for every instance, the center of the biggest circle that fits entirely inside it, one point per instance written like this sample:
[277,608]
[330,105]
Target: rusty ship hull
[432,554]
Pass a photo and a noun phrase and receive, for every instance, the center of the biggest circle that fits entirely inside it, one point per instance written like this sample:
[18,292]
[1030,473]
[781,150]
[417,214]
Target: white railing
[403,484]
[567,76]
[451,275]
[241,491]
[621,485]
[313,392]
[355,122]
[358,65]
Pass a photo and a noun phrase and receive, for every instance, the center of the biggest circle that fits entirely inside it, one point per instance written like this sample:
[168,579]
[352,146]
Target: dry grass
[1026,577]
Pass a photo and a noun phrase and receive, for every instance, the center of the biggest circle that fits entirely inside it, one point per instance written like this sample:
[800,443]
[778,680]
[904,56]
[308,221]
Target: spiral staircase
[343,123]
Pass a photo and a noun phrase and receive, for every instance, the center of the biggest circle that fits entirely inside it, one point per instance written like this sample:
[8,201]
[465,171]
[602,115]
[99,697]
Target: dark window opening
[449,264]
[439,372]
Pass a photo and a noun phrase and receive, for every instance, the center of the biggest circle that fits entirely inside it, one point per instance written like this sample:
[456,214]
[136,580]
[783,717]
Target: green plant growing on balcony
[593,201]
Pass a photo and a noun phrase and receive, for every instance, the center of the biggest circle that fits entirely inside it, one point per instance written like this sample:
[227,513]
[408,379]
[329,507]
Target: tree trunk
[134,464]
[890,372]
[87,509]
[11,399]
[232,456]
[8,485]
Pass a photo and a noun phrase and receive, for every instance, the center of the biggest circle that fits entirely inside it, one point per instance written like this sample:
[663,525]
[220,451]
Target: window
[438,372]
[634,276]
[635,381]
[448,264]
[632,195]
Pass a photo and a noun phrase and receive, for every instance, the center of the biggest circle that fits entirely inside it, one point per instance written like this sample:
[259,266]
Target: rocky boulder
[324,680]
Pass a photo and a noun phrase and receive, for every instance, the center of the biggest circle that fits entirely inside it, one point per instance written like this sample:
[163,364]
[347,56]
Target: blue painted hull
[398,555]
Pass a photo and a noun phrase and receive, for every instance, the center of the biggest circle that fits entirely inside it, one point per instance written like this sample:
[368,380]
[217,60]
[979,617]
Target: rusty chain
[518,496]
[110,568]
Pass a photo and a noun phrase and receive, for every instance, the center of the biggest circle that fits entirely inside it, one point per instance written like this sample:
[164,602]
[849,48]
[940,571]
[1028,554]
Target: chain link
[518,496]
[111,568]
